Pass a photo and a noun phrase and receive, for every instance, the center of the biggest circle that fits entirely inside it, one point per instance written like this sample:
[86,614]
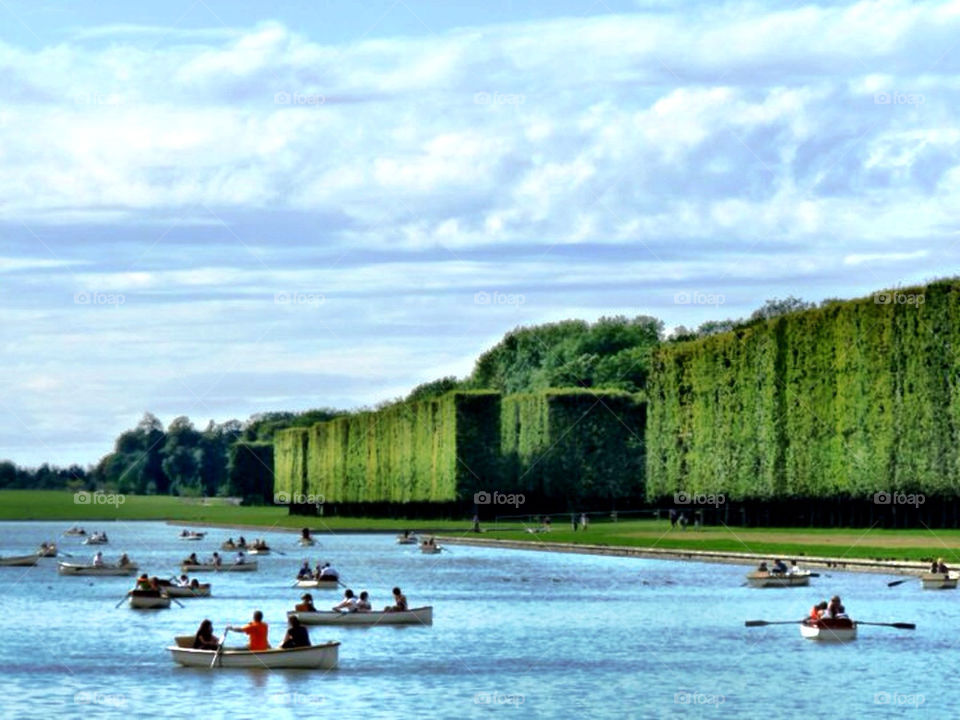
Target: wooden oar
[219,652]
[896,582]
[175,600]
[901,625]
[761,623]
[122,601]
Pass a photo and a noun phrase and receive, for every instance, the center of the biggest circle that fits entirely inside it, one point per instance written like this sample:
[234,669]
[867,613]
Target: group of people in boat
[97,537]
[779,567]
[938,567]
[231,545]
[214,560]
[322,572]
[191,533]
[257,632]
[832,610]
[353,603]
[98,561]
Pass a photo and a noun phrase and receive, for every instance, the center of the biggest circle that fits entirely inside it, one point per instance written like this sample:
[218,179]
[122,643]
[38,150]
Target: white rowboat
[258,551]
[20,560]
[319,584]
[74,569]
[226,567]
[839,630]
[148,600]
[95,540]
[759,579]
[938,581]
[414,616]
[323,656]
[178,591]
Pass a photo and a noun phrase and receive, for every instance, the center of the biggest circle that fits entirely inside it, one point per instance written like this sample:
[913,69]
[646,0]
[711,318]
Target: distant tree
[776,307]
[433,389]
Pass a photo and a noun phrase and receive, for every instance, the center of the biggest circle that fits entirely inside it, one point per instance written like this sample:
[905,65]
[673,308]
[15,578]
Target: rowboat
[75,569]
[95,540]
[225,567]
[323,656]
[148,600]
[829,630]
[319,584]
[46,550]
[307,542]
[414,616]
[75,531]
[232,546]
[20,560]
[193,536]
[760,579]
[185,591]
[428,549]
[938,581]
[258,551]
[408,540]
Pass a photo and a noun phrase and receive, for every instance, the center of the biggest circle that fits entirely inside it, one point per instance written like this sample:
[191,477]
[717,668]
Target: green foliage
[251,472]
[844,400]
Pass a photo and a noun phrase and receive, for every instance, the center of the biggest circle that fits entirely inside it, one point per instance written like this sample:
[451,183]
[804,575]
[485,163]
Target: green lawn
[841,542]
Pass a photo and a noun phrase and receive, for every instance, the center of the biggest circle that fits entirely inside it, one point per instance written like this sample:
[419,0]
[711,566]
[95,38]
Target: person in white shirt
[98,559]
[349,602]
[363,604]
[241,558]
[329,572]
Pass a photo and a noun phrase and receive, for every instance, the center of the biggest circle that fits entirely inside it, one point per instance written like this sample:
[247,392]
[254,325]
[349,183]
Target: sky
[215,209]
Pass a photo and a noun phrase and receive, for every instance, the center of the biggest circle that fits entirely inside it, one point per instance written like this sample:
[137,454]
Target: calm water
[515,634]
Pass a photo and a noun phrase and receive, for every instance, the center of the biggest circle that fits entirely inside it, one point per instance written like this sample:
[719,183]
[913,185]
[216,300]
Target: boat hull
[265,551]
[307,542]
[318,584]
[231,567]
[401,540]
[414,616]
[175,591]
[233,548]
[318,657]
[826,631]
[938,581]
[73,569]
[50,551]
[430,549]
[148,601]
[784,580]
[20,561]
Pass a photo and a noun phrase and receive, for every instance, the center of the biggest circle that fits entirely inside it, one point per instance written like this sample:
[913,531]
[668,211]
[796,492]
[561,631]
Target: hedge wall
[251,471]
[845,400]
[289,461]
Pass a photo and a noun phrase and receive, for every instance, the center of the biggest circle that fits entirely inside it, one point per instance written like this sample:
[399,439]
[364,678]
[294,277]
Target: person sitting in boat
[194,584]
[183,581]
[216,560]
[817,611]
[297,635]
[192,560]
[835,609]
[124,560]
[305,604]
[328,572]
[229,543]
[794,569]
[349,602]
[257,630]
[762,567]
[779,566]
[241,543]
[363,604]
[98,559]
[103,537]
[941,568]
[241,558]
[399,602]
[184,533]
[305,572]
[305,533]
[205,639]
[143,582]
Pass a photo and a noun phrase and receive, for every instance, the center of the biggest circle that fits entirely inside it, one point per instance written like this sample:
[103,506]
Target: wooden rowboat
[95,540]
[75,531]
[430,549]
[759,579]
[193,536]
[408,540]
[323,656]
[829,630]
[938,581]
[180,591]
[414,616]
[232,546]
[148,600]
[225,567]
[319,584]
[20,560]
[75,569]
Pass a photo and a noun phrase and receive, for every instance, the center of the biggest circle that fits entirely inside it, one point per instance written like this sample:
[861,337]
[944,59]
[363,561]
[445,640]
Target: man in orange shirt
[257,631]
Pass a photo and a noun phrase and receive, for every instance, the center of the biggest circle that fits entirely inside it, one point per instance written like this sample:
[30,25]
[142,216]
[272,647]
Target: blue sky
[221,208]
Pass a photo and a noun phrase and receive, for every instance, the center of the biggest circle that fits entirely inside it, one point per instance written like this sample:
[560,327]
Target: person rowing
[183,581]
[241,542]
[835,609]
[363,604]
[817,611]
[257,630]
[143,582]
[779,567]
[297,635]
[348,604]
[241,558]
[328,572]
[399,602]
[216,560]
[204,638]
[124,560]
[229,544]
[192,560]
[762,567]
[305,604]
[305,572]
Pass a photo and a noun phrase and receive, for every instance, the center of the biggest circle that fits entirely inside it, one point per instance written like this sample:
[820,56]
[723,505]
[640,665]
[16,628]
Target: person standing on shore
[583,521]
[573,521]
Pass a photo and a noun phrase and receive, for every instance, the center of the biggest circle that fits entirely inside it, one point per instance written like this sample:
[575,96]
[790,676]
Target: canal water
[515,634]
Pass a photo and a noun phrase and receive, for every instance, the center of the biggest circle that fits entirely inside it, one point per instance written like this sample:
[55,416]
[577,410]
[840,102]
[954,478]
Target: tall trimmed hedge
[289,457]
[844,400]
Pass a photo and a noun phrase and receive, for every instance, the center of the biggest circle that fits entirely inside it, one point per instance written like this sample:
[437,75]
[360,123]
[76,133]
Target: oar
[896,582]
[122,600]
[761,623]
[901,625]
[219,652]
[176,601]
